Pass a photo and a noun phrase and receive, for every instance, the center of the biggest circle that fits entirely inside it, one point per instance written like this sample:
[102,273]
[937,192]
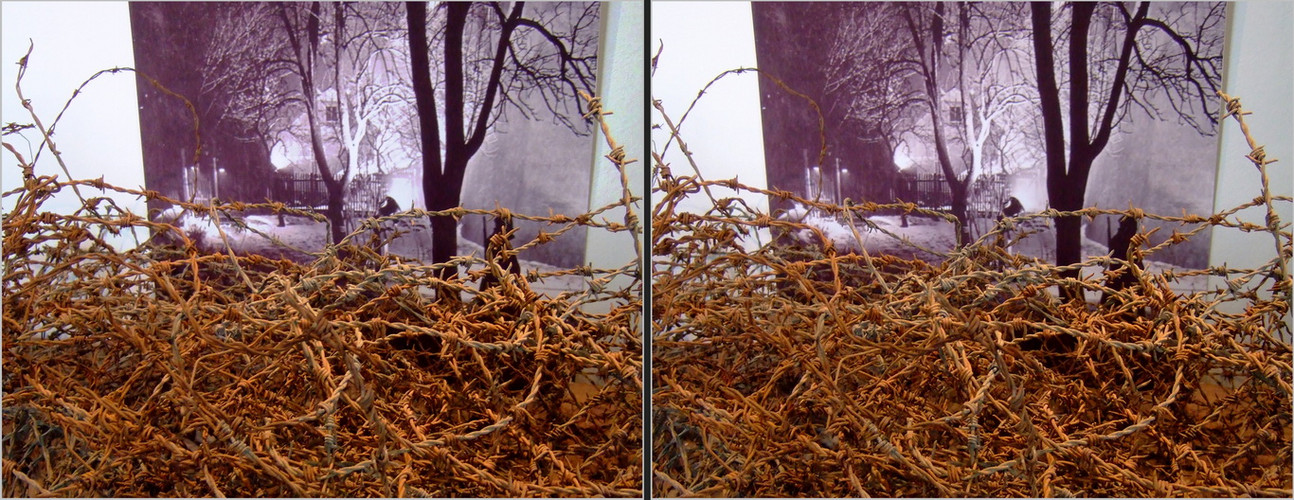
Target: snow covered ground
[930,239]
[924,238]
[301,236]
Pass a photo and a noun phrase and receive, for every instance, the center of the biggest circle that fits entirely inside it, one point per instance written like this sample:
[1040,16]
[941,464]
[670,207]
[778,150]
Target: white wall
[1259,71]
[99,133]
[724,132]
[620,85]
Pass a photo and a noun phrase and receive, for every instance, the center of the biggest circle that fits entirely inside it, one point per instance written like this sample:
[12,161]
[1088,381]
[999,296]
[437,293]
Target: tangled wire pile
[793,370]
[166,371]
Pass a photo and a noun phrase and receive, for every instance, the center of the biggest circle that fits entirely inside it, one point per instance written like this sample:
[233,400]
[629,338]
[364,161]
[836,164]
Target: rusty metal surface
[169,371]
[790,369]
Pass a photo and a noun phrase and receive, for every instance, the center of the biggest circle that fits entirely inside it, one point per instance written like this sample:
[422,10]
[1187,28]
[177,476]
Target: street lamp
[219,173]
[815,188]
[841,172]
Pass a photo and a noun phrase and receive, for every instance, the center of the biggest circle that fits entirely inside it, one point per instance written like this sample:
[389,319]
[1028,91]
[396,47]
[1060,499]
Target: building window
[331,114]
[955,114]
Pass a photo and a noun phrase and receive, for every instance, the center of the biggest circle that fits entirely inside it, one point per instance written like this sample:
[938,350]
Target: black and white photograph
[325,108]
[960,108]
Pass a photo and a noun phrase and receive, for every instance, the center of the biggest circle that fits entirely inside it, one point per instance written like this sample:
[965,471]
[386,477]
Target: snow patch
[932,234]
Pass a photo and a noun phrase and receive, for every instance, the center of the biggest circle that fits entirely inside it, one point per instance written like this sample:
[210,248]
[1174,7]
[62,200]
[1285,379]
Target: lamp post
[817,185]
[839,200]
[220,172]
[843,174]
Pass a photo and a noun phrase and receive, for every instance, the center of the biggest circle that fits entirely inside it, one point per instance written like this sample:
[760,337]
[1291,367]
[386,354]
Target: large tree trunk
[442,179]
[1067,184]
[335,188]
[1059,186]
[444,229]
[444,233]
[442,193]
[1067,193]
[336,217]
[958,187]
[960,192]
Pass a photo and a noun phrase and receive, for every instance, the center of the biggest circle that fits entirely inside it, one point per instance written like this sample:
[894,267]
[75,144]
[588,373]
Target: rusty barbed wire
[182,368]
[784,366]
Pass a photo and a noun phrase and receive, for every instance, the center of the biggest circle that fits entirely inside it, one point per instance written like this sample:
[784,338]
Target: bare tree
[370,78]
[865,75]
[353,53]
[926,26]
[226,61]
[1177,52]
[242,71]
[494,56]
[967,59]
[304,27]
[991,57]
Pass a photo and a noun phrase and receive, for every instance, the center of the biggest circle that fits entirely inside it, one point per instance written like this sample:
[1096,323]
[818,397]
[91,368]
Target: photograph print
[348,111]
[992,110]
